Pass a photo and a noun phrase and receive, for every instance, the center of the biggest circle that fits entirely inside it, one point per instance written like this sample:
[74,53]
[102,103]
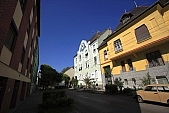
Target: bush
[55,101]
[53,95]
[127,90]
[48,104]
[64,102]
[111,88]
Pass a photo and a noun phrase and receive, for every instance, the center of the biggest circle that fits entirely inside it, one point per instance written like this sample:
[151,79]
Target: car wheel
[168,102]
[139,99]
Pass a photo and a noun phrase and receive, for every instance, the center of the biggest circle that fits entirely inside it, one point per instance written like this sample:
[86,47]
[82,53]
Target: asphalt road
[104,103]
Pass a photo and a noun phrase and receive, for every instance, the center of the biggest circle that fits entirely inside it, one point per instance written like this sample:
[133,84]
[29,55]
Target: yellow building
[138,46]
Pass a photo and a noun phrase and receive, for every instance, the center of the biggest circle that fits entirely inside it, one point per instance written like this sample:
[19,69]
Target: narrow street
[103,103]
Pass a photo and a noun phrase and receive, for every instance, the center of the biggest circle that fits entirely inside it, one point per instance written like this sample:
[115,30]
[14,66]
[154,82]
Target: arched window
[142,33]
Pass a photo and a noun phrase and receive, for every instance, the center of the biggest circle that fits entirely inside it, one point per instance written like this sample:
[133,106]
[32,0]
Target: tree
[66,78]
[147,80]
[49,76]
[119,83]
[87,81]
[65,69]
[74,82]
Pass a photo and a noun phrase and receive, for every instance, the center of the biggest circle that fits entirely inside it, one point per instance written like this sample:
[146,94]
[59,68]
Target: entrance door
[23,91]
[3,82]
[14,94]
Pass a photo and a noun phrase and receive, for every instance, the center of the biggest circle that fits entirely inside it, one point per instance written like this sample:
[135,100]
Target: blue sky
[65,23]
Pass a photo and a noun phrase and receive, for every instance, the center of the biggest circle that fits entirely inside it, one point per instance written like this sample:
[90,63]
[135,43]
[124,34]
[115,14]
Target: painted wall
[156,19]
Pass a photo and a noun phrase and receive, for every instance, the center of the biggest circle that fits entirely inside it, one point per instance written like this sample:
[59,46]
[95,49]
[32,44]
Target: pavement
[31,103]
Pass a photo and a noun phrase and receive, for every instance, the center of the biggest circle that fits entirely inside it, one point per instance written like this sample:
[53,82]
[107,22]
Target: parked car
[154,92]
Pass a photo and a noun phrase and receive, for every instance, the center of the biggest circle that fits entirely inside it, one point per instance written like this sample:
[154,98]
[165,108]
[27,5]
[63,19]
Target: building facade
[70,72]
[138,46]
[86,61]
[19,32]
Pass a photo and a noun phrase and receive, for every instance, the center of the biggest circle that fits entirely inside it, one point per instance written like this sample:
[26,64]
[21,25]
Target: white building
[87,62]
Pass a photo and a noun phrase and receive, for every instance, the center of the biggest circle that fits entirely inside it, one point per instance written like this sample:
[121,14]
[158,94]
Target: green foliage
[53,95]
[64,102]
[111,88]
[74,82]
[66,78]
[119,83]
[65,69]
[87,81]
[147,80]
[55,101]
[127,90]
[49,76]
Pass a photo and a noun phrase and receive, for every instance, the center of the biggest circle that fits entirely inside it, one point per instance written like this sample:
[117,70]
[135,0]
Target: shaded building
[19,57]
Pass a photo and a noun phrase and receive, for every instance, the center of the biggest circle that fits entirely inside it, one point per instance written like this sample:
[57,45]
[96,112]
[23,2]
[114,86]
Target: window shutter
[142,33]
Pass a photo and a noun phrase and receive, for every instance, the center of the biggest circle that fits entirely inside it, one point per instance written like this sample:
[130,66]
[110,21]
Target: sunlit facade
[87,61]
[138,46]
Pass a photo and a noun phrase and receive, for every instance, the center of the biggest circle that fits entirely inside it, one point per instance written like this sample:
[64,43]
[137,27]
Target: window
[150,88]
[80,67]
[105,55]
[31,68]
[95,60]
[142,33]
[87,64]
[76,60]
[22,55]
[125,82]
[163,88]
[86,55]
[154,59]
[134,81]
[123,66]
[27,66]
[79,57]
[11,37]
[162,80]
[118,45]
[166,88]
[28,29]
[94,50]
[130,64]
[23,4]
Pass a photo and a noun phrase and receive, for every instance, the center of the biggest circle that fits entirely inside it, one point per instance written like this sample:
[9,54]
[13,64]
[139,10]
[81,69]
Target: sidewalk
[30,104]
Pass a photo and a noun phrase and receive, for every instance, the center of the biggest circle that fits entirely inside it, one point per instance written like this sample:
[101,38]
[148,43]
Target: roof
[164,2]
[96,36]
[103,43]
[134,13]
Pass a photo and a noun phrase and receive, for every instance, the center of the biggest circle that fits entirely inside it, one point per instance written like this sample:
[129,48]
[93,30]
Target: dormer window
[126,17]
